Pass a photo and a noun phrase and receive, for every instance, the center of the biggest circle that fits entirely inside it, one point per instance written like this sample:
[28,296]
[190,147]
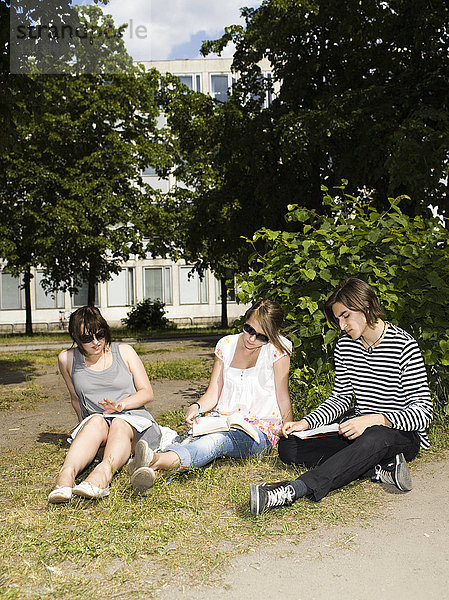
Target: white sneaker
[85,489]
[143,480]
[143,457]
[61,493]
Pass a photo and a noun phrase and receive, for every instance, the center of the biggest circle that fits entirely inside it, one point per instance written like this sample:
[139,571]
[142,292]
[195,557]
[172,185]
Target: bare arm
[281,369]
[144,391]
[210,398]
[353,428]
[65,361]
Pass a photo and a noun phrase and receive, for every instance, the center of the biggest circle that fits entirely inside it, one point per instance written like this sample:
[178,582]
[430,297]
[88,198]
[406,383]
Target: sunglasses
[86,338]
[261,337]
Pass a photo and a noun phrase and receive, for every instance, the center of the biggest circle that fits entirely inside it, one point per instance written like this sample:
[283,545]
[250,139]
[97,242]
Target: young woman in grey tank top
[109,388]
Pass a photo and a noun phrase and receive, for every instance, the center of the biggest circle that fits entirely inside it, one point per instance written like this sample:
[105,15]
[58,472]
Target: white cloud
[156,27]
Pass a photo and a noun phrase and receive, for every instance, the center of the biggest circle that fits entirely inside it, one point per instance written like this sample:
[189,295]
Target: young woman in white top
[249,377]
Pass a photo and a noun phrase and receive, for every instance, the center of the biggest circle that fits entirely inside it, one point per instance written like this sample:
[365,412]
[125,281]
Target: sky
[168,29]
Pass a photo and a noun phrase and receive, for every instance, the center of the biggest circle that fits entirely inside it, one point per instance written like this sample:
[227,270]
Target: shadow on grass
[58,439]
[16,371]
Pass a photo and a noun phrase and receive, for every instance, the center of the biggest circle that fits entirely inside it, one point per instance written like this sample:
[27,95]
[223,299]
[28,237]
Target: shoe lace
[383,475]
[279,496]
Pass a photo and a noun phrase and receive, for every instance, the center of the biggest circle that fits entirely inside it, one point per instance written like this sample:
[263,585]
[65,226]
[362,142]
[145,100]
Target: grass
[27,365]
[29,359]
[185,530]
[197,368]
[118,333]
[21,338]
[24,397]
[19,369]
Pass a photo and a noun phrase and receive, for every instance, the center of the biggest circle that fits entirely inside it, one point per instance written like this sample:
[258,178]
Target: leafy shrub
[405,259]
[147,315]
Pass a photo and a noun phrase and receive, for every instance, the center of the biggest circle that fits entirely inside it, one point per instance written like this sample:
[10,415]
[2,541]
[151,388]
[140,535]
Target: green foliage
[71,194]
[405,259]
[147,315]
[355,93]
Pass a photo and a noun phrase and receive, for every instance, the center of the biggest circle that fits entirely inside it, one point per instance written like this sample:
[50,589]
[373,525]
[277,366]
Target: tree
[72,198]
[363,94]
[224,165]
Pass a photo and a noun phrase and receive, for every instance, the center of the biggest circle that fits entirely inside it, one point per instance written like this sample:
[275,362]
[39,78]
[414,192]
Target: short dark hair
[87,319]
[355,294]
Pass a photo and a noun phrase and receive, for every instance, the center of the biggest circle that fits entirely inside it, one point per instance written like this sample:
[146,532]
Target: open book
[205,425]
[321,431]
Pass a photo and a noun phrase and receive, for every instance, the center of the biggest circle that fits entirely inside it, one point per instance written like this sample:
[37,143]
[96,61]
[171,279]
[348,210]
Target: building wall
[188,301]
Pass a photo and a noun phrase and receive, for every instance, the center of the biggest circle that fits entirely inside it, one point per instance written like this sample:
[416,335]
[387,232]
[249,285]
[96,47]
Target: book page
[209,424]
[322,430]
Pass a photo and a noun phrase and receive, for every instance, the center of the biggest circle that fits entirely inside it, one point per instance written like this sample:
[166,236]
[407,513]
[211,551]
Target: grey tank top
[115,383]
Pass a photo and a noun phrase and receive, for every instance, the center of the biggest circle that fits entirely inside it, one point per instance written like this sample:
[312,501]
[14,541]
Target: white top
[251,391]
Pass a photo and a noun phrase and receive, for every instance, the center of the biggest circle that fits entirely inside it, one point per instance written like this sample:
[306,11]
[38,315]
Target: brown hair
[87,319]
[270,315]
[355,294]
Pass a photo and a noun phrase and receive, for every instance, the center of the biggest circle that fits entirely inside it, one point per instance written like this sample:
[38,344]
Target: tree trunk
[224,302]
[28,314]
[92,284]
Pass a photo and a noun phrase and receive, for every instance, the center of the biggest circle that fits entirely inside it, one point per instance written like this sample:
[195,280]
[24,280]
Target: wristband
[198,404]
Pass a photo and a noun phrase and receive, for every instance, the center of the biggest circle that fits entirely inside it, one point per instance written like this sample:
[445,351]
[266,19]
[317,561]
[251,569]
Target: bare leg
[117,451]
[83,450]
[164,461]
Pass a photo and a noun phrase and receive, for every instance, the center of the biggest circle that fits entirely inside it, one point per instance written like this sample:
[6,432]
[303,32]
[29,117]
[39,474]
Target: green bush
[405,259]
[147,315]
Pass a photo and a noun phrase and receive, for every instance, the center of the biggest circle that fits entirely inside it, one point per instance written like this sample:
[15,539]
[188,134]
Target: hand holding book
[322,431]
[301,429]
[208,424]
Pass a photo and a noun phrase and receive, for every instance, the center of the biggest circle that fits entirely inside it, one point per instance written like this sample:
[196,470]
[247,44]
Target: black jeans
[336,461]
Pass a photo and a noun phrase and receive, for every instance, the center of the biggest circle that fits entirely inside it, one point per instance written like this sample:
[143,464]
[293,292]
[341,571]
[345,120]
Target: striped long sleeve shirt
[391,380]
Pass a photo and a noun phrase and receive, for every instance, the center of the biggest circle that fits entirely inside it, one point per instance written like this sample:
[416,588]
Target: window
[219,87]
[46,299]
[265,98]
[190,81]
[186,80]
[149,171]
[121,288]
[80,298]
[12,296]
[231,290]
[192,288]
[158,286]
[269,99]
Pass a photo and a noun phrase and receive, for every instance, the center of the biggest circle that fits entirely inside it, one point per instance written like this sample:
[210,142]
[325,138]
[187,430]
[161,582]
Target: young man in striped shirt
[380,367]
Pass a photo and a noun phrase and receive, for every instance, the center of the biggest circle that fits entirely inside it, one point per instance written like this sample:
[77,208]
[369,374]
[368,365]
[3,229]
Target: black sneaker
[270,495]
[398,474]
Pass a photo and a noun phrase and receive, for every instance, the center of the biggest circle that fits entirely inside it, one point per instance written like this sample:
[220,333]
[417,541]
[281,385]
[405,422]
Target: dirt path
[401,554]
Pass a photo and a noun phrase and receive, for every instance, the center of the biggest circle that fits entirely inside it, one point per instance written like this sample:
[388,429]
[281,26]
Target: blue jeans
[198,451]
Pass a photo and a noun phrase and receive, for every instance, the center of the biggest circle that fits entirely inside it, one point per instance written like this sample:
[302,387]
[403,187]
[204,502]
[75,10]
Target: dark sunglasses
[86,338]
[259,336]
